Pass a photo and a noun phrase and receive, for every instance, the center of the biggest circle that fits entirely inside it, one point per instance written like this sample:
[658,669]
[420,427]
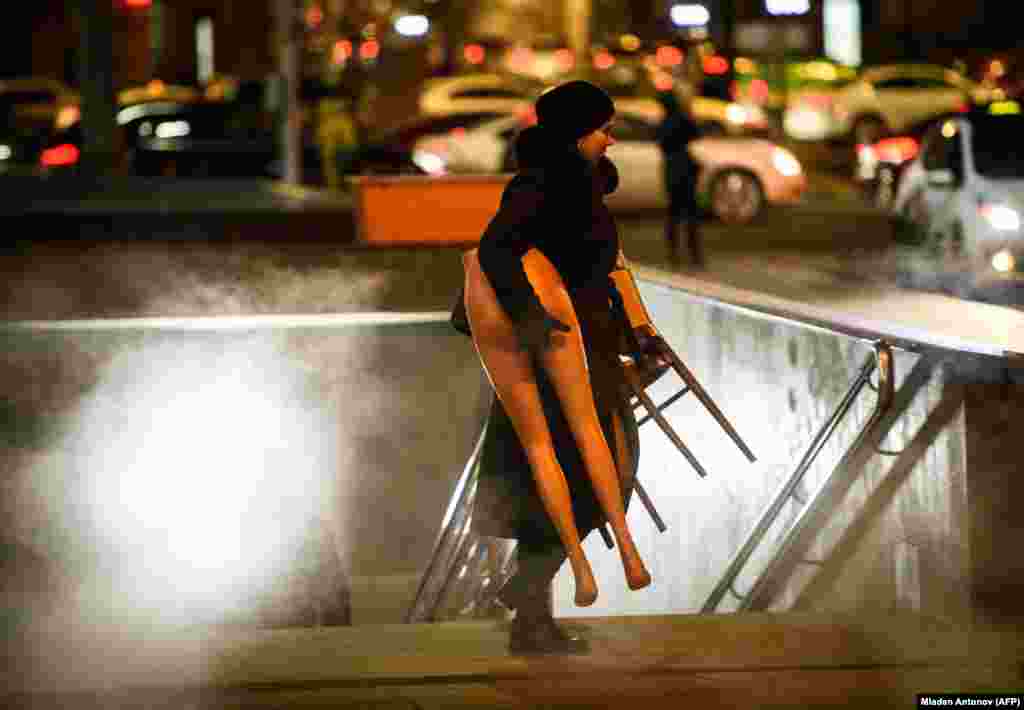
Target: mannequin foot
[637,576]
[586,585]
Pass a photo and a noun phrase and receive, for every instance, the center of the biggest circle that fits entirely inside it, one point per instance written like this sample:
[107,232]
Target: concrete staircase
[716,660]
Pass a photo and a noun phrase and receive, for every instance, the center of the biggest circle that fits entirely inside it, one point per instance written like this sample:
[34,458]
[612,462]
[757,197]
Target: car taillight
[818,101]
[63,154]
[759,91]
[527,117]
[865,152]
[67,116]
[899,149]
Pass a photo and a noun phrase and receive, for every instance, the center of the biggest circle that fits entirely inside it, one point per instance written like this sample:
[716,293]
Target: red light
[962,108]
[342,51]
[604,60]
[520,59]
[138,4]
[474,53]
[458,131]
[759,91]
[820,101]
[663,82]
[63,154]
[668,56]
[896,150]
[715,65]
[527,117]
[369,49]
[314,16]
[565,59]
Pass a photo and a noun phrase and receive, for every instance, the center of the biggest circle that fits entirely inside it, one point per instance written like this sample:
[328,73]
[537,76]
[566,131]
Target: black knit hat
[574,109]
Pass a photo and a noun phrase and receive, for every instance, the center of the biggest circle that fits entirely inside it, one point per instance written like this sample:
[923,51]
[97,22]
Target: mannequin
[510,371]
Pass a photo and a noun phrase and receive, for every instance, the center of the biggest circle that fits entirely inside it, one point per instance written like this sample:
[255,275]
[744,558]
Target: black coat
[674,135]
[556,206]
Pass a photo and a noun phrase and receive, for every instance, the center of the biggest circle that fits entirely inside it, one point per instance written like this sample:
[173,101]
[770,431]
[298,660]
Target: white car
[964,192]
[715,115]
[738,177]
[475,93]
[882,100]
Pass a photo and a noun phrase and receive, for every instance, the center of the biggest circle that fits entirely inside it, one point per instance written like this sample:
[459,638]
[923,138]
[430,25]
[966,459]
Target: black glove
[534,332]
[653,352]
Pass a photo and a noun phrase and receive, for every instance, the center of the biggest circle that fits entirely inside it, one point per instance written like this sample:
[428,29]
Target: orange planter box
[413,210]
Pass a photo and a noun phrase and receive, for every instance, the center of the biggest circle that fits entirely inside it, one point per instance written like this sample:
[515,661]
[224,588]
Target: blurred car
[29,107]
[213,139]
[394,146]
[546,58]
[405,133]
[624,84]
[474,93]
[882,101]
[34,99]
[194,138]
[153,91]
[964,192]
[738,177]
[880,165]
[772,84]
[157,90]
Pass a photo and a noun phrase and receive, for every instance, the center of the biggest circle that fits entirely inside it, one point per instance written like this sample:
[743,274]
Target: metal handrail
[835,486]
[449,540]
[796,478]
[783,554]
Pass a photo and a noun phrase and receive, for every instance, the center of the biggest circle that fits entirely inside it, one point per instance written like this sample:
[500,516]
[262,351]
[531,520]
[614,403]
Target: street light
[689,15]
[412,25]
[787,7]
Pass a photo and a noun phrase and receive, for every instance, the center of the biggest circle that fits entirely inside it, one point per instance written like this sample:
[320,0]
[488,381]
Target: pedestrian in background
[337,138]
[677,130]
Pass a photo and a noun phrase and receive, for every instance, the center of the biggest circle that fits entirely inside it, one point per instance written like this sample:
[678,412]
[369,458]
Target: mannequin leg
[566,366]
[511,374]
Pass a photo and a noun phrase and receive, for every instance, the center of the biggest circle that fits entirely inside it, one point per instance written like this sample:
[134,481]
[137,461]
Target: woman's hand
[654,351]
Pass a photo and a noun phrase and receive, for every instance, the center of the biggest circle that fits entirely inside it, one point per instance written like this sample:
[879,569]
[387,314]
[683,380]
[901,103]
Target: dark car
[208,139]
[880,164]
[211,139]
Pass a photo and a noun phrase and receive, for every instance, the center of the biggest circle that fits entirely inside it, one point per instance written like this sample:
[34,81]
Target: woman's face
[593,145]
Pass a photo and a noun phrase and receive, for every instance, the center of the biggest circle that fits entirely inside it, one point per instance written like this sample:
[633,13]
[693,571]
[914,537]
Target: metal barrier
[934,348]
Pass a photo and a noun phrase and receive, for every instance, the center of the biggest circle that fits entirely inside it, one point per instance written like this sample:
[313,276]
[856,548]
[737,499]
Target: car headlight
[430,163]
[785,162]
[5,151]
[736,114]
[67,116]
[1002,218]
[1003,261]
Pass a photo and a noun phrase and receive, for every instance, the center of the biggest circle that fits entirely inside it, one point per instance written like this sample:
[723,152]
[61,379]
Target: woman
[540,306]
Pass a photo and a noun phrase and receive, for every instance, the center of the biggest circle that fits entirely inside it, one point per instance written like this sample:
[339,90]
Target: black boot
[534,631]
[529,593]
